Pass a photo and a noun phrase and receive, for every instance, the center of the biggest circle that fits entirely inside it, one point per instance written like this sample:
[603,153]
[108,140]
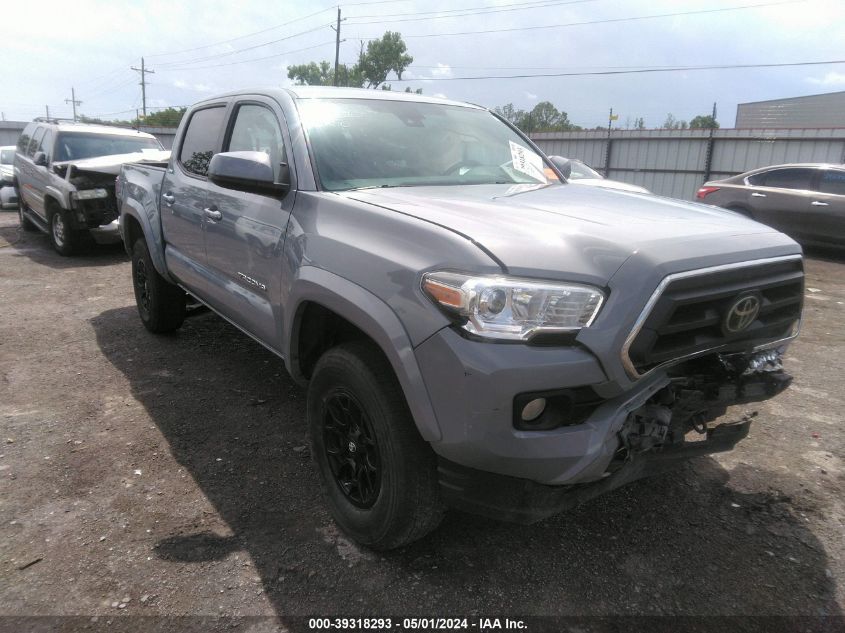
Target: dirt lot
[168,476]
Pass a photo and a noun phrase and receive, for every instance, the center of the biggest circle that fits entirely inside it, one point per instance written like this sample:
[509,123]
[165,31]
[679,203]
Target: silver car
[8,196]
[804,200]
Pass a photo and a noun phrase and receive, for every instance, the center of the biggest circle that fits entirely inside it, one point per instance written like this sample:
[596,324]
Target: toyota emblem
[742,313]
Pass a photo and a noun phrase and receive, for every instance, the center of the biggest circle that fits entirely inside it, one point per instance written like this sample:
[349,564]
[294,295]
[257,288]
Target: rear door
[780,197]
[825,221]
[183,198]
[244,240]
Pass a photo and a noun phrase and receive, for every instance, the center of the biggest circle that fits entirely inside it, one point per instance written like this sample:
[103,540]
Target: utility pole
[337,42]
[144,72]
[337,47]
[74,101]
[47,108]
[610,119]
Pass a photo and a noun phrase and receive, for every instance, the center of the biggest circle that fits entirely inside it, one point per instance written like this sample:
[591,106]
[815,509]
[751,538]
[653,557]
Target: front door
[245,237]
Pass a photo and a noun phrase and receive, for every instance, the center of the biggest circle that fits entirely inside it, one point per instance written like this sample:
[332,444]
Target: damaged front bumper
[669,422]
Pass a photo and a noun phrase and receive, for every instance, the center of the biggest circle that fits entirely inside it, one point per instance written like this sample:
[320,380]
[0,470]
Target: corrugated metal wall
[675,162]
[810,111]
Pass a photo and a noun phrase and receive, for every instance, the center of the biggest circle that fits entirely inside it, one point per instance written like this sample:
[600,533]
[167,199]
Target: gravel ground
[169,476]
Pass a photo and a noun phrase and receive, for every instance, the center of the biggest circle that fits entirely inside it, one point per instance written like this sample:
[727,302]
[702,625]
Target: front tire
[63,237]
[161,305]
[378,474]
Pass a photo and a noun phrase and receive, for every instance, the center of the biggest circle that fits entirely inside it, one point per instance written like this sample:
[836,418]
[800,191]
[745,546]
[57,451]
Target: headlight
[90,194]
[511,308]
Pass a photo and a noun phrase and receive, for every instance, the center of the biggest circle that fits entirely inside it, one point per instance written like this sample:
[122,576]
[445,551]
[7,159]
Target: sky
[198,49]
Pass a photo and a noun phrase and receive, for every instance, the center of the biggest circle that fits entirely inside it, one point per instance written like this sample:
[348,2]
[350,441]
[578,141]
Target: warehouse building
[811,111]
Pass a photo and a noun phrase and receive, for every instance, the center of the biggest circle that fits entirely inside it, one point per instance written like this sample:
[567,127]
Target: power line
[246,61]
[603,21]
[627,72]
[470,11]
[241,37]
[242,50]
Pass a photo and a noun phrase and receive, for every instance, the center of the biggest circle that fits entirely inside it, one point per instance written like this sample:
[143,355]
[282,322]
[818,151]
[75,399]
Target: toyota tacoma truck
[64,175]
[472,330]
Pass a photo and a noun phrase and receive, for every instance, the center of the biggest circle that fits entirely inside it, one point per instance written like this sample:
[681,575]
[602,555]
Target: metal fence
[676,162]
[668,162]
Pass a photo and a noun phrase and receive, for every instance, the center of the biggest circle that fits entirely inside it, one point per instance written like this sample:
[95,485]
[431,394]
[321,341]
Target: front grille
[689,315]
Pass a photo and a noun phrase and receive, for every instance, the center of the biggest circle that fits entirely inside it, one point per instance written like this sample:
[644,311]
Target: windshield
[76,145]
[7,156]
[580,171]
[379,143]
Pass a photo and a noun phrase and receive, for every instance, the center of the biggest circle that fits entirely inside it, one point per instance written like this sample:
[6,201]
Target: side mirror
[563,165]
[40,159]
[247,171]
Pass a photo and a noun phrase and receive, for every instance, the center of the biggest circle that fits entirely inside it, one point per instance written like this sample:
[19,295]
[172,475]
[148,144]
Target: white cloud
[830,79]
[531,96]
[197,87]
[442,70]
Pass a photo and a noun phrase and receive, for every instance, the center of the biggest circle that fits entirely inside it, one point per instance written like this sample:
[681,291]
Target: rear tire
[161,305]
[63,237]
[378,474]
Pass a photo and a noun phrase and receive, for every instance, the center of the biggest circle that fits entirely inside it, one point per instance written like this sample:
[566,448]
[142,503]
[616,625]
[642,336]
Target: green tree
[510,113]
[704,122]
[671,123]
[169,117]
[375,63]
[312,74]
[383,56]
[545,117]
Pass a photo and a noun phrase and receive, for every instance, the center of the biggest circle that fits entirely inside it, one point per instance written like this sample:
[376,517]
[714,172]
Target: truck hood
[565,231]
[608,184]
[112,164]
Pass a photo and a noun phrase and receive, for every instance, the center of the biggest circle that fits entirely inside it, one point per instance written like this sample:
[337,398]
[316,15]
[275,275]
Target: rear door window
[200,141]
[833,182]
[25,138]
[789,178]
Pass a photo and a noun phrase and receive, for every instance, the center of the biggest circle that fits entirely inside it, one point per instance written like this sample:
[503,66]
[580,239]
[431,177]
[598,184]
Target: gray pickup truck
[472,330]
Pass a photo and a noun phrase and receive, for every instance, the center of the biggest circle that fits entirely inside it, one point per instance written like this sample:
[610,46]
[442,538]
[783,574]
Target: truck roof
[327,92]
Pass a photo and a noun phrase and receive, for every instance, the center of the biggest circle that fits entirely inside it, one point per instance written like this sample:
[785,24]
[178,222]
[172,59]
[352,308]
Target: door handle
[168,198]
[758,195]
[819,203]
[213,214]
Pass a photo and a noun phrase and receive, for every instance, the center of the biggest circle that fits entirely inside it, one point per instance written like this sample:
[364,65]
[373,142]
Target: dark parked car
[806,201]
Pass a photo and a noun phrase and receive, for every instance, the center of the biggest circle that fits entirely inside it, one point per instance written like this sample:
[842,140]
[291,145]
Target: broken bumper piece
[673,426]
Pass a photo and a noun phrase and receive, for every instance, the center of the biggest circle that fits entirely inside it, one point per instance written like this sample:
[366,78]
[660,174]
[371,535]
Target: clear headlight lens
[511,308]
[90,194]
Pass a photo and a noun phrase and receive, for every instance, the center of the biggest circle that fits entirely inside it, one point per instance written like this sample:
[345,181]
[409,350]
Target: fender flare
[129,207]
[377,320]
